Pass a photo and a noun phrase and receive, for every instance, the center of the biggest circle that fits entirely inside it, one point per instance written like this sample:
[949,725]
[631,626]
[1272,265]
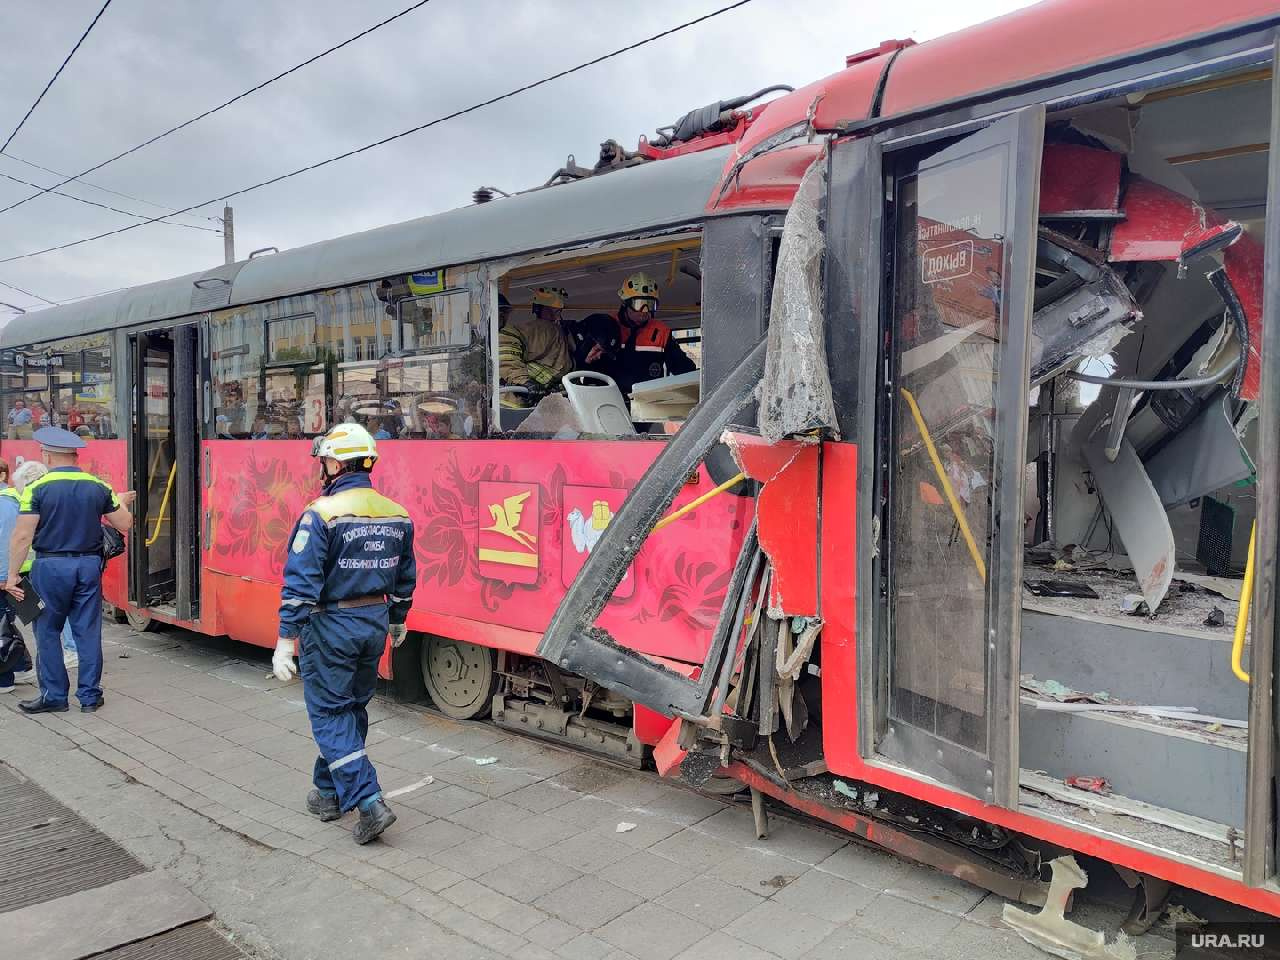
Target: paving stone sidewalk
[505,847]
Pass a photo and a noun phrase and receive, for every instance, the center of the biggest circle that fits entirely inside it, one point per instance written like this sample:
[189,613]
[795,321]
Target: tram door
[946,410]
[164,568]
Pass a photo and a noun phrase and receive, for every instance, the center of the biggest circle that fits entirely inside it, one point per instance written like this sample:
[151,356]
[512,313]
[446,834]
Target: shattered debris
[1060,588]
[1052,932]
[484,761]
[1216,618]
[1133,605]
[795,393]
[1177,914]
[1098,785]
[1060,691]
[845,790]
[624,827]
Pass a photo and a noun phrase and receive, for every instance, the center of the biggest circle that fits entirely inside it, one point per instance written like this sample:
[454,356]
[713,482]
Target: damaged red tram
[982,442]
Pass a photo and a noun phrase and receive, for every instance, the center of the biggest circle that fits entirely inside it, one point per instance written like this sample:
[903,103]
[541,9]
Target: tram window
[293,404]
[66,384]
[436,321]
[432,386]
[533,362]
[235,367]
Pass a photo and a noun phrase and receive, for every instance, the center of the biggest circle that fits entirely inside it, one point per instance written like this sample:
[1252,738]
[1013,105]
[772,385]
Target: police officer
[348,582]
[60,514]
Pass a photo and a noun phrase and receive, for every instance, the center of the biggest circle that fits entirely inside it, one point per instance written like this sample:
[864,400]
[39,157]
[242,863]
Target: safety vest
[13,495]
[651,338]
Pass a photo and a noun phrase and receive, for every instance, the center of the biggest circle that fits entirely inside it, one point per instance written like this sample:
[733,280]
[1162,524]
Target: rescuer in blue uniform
[60,514]
[348,583]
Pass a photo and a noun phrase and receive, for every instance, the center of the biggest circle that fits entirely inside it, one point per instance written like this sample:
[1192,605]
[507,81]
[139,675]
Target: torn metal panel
[1206,456]
[796,390]
[1161,224]
[815,798]
[1052,932]
[1061,331]
[572,641]
[787,515]
[1079,182]
[1135,508]
[1157,222]
[1210,240]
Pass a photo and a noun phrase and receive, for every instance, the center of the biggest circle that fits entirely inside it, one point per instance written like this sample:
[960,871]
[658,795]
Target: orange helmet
[553,297]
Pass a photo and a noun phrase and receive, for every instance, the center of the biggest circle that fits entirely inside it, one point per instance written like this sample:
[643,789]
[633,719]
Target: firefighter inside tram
[601,330]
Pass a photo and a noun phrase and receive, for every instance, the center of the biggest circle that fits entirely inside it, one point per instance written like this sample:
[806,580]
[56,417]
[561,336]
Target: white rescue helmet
[346,442]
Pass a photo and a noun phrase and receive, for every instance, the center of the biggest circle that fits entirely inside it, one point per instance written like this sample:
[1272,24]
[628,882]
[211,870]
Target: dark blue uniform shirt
[351,543]
[70,504]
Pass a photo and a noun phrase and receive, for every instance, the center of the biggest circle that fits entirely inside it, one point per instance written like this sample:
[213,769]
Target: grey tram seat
[598,402]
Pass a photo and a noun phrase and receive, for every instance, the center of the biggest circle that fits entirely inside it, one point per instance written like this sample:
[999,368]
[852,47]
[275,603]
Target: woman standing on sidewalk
[13,651]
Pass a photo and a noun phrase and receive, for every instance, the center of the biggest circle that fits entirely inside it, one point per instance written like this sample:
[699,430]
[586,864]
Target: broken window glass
[951,222]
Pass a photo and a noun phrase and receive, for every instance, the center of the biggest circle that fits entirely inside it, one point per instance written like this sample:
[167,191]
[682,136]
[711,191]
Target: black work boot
[373,820]
[41,705]
[323,806]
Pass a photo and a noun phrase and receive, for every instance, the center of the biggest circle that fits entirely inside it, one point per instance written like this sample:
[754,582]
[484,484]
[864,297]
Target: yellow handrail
[164,503]
[694,504]
[1242,615]
[946,484]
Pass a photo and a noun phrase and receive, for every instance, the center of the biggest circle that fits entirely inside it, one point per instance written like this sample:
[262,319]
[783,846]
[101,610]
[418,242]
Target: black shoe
[41,705]
[373,820]
[92,707]
[323,806]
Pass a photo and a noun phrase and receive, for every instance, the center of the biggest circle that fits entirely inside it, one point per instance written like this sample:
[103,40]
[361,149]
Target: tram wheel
[112,613]
[722,786]
[140,620]
[459,676]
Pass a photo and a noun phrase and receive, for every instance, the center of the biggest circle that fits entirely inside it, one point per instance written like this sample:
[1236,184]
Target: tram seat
[598,402]
[512,417]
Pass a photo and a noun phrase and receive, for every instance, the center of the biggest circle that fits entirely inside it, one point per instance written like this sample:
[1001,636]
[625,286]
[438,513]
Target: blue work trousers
[339,665]
[71,588]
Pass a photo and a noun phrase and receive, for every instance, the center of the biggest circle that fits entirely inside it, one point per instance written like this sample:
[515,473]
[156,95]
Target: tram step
[1136,662]
[1174,766]
[615,741]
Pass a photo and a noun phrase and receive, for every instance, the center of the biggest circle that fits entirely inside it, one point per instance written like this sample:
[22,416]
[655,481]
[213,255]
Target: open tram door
[163,446]
[946,216]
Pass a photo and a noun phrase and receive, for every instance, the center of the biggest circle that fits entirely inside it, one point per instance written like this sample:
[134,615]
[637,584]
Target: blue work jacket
[352,543]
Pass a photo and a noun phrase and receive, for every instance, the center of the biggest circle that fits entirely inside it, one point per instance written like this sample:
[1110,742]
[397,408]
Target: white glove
[282,664]
[397,634]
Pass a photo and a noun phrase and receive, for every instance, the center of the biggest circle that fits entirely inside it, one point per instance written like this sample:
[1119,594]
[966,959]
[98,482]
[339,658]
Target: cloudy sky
[150,64]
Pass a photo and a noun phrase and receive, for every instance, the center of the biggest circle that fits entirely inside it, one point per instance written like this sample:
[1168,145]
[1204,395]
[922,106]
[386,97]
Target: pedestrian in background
[60,514]
[27,473]
[14,656]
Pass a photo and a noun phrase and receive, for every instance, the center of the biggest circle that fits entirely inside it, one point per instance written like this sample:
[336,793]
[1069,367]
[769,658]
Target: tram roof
[650,196]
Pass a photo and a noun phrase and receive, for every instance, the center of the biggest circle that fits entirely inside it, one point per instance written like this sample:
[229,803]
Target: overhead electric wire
[397,136]
[28,293]
[57,73]
[87,183]
[103,206]
[221,106]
